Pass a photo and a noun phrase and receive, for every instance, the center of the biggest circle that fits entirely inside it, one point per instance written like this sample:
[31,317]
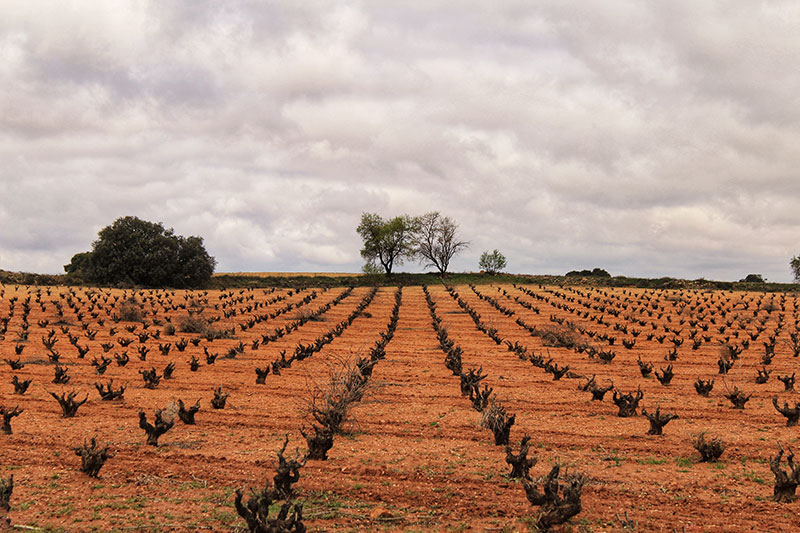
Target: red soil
[415,457]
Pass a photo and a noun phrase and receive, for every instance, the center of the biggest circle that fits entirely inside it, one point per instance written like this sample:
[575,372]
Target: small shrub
[69,406]
[187,415]
[7,415]
[20,387]
[785,481]
[193,324]
[219,399]
[561,337]
[331,402]
[702,387]
[130,310]
[287,471]
[159,426]
[256,511]
[150,377]
[6,488]
[93,457]
[470,379]
[108,392]
[559,500]
[309,315]
[496,419]
[711,450]
[627,403]
[520,463]
[319,442]
[792,414]
[658,420]
[737,397]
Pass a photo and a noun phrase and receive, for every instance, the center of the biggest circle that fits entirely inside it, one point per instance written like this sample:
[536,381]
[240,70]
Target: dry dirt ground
[414,457]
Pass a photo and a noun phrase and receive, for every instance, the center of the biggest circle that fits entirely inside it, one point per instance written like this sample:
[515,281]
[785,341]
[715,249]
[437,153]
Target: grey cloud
[655,138]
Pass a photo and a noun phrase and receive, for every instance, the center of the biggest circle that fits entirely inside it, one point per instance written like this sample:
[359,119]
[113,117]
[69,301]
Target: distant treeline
[26,278]
[225,281]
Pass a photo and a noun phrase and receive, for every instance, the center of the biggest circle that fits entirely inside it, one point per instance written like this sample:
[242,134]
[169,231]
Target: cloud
[649,139]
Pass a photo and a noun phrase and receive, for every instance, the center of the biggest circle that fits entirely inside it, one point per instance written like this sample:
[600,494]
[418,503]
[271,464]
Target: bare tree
[436,240]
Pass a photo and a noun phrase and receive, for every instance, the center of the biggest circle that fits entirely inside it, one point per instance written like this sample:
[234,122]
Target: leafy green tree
[795,264]
[138,252]
[436,240]
[387,242]
[195,265]
[371,268]
[79,263]
[492,262]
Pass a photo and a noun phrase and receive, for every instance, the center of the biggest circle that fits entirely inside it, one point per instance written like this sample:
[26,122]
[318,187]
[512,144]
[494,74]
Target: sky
[657,138]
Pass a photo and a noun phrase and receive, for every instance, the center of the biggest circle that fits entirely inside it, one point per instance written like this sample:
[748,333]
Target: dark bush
[132,251]
[595,272]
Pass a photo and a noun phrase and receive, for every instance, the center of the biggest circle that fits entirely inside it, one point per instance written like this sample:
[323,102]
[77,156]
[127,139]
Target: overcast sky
[657,138]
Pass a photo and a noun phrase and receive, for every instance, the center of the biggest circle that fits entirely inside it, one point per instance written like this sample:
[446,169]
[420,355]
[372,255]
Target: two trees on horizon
[431,239]
[132,251]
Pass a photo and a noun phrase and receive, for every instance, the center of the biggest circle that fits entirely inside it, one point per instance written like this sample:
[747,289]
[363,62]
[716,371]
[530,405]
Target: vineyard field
[413,454]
